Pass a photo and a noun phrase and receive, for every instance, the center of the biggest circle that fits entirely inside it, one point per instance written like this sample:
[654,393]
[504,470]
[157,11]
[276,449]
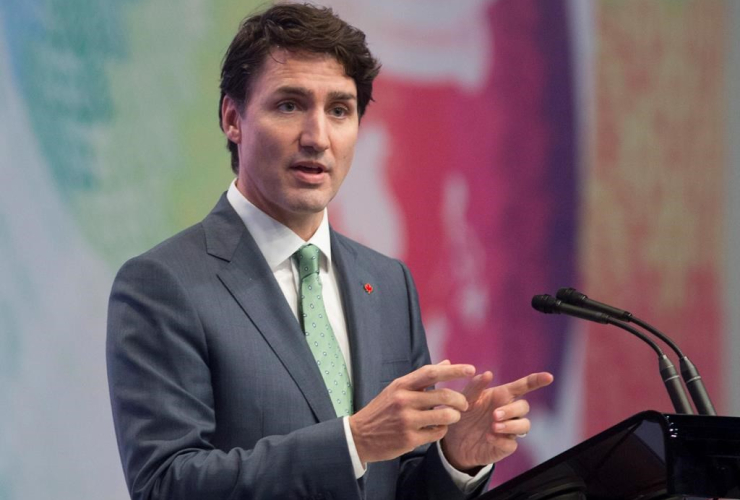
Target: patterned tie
[319,335]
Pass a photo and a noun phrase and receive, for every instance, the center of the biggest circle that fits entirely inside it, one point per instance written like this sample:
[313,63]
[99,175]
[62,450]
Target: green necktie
[319,335]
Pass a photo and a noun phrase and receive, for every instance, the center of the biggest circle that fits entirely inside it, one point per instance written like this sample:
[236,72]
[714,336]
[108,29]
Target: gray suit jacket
[214,390]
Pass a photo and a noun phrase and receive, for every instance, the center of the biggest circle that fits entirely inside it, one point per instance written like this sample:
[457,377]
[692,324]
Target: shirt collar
[276,241]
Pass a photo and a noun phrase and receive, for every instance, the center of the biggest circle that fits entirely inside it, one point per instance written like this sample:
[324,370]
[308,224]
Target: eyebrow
[304,92]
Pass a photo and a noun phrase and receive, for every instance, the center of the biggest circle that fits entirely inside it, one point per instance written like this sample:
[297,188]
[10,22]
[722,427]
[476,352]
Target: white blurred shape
[468,272]
[369,211]
[426,41]
[437,329]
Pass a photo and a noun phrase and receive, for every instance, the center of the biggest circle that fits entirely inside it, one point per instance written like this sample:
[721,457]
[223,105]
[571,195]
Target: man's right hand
[406,415]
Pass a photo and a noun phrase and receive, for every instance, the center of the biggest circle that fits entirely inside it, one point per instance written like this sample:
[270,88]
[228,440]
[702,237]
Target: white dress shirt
[278,243]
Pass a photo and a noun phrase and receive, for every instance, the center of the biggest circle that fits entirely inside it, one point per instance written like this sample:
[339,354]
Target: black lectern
[649,456]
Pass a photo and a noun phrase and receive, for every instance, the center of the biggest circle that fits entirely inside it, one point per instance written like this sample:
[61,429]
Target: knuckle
[399,399]
[453,397]
[393,386]
[404,420]
[412,440]
[445,396]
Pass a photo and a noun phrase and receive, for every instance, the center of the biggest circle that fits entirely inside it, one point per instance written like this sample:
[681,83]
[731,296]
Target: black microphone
[550,305]
[573,296]
[689,372]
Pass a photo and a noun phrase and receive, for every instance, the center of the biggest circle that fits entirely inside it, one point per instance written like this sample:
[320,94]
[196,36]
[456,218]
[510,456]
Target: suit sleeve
[164,413]
[422,474]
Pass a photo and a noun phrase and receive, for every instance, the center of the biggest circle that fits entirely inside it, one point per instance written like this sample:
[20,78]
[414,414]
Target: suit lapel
[252,284]
[361,310]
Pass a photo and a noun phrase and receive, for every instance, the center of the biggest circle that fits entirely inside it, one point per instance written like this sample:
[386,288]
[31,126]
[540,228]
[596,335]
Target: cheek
[268,141]
[268,150]
[343,164]
[346,150]
[350,151]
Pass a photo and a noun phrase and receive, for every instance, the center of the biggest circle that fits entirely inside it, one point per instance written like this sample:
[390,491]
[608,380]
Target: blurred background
[533,144]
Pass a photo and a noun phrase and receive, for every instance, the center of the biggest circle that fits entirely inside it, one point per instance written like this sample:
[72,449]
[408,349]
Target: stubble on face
[298,132]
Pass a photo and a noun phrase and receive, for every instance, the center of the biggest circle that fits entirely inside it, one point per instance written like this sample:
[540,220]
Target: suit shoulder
[189,239]
[180,248]
[206,236]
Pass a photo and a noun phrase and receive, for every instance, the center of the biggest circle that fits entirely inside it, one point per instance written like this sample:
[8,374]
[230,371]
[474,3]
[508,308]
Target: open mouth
[310,172]
[309,169]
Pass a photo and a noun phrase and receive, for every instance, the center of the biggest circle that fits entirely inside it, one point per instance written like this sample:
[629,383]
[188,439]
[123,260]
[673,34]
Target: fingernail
[499,427]
[499,415]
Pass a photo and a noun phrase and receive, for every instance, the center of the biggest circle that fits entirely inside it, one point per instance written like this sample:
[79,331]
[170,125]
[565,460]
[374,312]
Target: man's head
[295,28]
[296,81]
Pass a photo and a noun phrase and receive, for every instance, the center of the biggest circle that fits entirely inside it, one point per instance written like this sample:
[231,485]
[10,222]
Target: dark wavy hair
[295,27]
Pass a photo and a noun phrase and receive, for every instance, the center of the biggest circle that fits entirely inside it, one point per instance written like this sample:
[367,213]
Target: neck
[304,225]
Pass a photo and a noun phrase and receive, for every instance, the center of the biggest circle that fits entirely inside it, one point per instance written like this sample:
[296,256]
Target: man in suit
[238,368]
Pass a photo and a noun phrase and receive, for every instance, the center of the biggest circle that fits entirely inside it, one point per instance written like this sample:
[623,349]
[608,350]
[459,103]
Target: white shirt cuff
[357,465]
[464,481]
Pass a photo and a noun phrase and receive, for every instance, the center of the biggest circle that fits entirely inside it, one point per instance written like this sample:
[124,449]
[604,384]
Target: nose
[315,133]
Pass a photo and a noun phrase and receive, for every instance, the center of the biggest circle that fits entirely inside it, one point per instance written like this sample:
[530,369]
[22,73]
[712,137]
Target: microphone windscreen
[545,304]
[571,296]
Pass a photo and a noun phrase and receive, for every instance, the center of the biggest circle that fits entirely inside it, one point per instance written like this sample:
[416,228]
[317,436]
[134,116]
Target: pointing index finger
[531,382]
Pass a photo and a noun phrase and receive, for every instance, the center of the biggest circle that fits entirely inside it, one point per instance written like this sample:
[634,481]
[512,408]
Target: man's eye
[339,111]
[287,106]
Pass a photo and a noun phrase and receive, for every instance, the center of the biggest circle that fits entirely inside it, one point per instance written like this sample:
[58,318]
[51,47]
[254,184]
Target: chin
[311,209]
[310,205]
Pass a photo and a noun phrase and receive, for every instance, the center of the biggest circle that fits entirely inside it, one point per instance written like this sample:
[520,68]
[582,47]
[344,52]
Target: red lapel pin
[368,288]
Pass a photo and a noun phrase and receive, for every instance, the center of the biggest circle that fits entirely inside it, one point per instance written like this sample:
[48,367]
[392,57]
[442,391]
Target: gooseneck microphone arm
[689,372]
[550,305]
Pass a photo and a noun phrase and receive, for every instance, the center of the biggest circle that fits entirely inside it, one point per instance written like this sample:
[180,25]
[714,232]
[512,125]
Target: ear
[231,120]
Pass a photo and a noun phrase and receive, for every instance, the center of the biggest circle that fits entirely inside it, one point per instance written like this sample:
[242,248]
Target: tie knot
[307,260]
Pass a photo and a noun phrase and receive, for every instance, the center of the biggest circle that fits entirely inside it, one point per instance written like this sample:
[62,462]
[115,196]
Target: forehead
[315,72]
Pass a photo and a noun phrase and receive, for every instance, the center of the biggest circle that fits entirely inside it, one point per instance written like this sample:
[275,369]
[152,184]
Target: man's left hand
[487,431]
